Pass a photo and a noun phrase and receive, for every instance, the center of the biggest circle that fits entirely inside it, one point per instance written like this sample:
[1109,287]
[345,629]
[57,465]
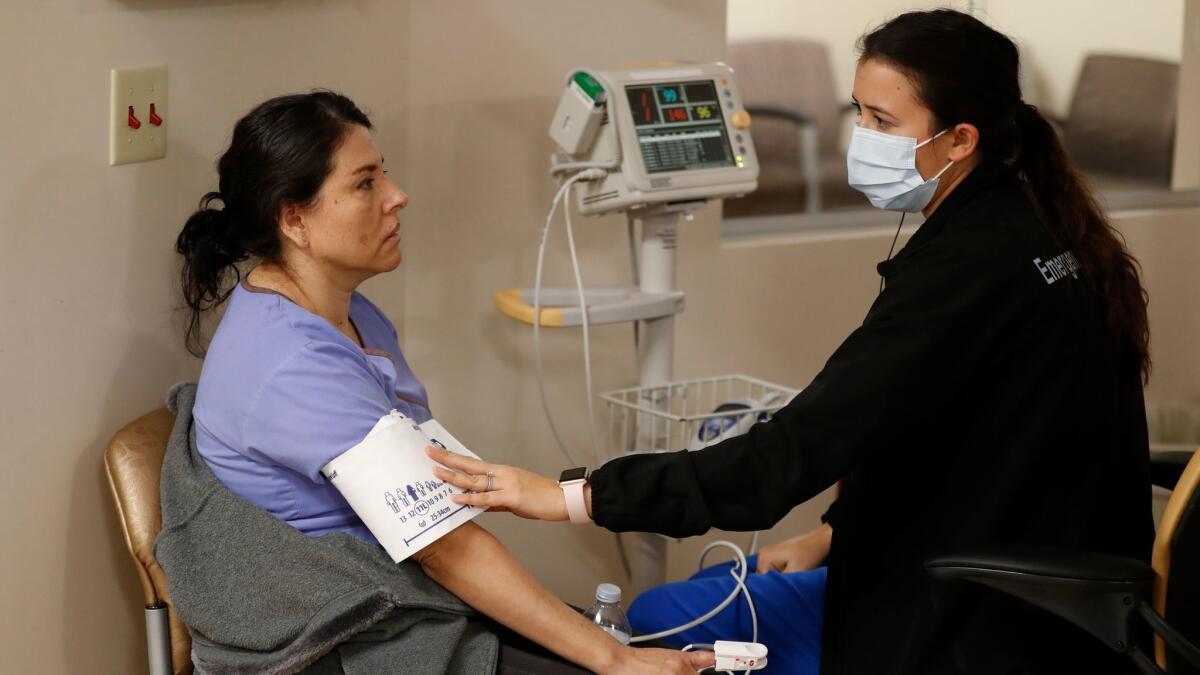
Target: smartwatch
[572,481]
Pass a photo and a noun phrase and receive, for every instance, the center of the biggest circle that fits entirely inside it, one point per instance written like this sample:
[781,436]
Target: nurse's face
[353,228]
[887,102]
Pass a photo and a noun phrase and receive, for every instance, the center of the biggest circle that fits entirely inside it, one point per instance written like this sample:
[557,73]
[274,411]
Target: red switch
[134,122]
[154,118]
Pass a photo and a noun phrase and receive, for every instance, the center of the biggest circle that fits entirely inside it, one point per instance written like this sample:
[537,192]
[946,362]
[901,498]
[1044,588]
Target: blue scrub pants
[789,608]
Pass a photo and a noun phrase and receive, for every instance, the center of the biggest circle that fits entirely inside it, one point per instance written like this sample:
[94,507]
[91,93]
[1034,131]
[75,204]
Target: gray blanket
[258,596]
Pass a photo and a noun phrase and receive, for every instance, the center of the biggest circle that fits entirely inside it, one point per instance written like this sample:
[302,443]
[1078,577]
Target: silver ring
[490,476]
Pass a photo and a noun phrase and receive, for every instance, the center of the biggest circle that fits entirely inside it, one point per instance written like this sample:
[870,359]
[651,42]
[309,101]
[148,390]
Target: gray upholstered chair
[788,89]
[1121,126]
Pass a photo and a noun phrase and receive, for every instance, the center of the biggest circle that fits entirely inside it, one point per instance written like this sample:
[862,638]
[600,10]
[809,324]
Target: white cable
[738,572]
[741,580]
[563,191]
[537,320]
[753,613]
[583,310]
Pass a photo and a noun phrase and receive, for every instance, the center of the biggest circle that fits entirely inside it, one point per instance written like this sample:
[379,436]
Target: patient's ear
[292,225]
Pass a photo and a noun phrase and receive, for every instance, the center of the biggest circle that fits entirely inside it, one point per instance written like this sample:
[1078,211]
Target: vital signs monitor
[668,134]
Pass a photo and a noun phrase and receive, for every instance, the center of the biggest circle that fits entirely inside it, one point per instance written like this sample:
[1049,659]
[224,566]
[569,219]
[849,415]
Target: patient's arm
[475,566]
[803,553]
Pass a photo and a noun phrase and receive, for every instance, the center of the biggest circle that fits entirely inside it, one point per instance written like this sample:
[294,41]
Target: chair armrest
[1042,565]
[1166,466]
[1100,593]
[809,153]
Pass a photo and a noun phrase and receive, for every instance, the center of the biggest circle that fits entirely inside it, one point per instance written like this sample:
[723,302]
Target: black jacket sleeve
[940,314]
[830,516]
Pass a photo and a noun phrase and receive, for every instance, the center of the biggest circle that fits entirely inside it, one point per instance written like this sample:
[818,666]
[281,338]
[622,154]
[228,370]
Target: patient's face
[354,225]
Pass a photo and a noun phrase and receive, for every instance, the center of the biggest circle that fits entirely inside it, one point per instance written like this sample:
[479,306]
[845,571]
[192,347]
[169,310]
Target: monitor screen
[680,126]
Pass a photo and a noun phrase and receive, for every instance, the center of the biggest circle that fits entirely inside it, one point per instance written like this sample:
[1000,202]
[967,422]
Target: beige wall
[87,274]
[837,24]
[1163,243]
[461,93]
[478,176]
[1053,36]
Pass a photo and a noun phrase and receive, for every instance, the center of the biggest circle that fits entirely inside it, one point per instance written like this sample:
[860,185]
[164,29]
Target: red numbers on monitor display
[647,111]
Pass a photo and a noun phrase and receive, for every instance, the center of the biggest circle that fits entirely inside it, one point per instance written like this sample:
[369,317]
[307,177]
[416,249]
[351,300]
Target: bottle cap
[608,593]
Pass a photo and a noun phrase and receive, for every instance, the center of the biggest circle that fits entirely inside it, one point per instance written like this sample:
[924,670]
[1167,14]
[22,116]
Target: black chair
[1114,598]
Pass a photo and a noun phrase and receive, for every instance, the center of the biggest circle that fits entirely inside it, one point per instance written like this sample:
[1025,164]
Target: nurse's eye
[884,124]
[367,184]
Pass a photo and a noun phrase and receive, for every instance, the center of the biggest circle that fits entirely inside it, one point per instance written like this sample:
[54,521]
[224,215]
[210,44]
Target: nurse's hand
[801,554]
[522,492]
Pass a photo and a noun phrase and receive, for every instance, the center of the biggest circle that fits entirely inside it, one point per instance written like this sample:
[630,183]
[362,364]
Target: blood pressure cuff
[388,480]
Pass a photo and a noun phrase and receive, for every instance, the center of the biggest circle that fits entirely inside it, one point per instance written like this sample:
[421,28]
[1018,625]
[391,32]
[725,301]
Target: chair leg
[158,640]
[810,166]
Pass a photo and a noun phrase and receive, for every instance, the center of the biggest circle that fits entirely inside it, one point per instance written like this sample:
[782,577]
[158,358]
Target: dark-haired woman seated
[301,366]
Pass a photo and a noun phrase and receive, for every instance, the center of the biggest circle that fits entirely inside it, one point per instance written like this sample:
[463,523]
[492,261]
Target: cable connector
[592,174]
[561,163]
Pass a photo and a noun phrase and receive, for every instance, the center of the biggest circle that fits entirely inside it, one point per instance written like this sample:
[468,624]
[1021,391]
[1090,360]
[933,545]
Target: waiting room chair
[788,89]
[1112,597]
[133,462]
[1121,126]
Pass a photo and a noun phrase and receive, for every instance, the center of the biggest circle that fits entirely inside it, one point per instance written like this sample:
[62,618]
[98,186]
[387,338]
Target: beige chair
[1121,126]
[133,462]
[789,90]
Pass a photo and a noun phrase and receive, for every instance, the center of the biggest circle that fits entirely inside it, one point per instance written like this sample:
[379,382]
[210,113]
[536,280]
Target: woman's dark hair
[966,72]
[280,154]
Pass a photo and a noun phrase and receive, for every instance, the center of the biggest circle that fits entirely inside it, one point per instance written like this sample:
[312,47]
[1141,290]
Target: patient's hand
[523,492]
[801,554]
[631,661]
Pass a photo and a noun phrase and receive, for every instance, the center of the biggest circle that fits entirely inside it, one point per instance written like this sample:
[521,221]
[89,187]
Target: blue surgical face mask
[884,168]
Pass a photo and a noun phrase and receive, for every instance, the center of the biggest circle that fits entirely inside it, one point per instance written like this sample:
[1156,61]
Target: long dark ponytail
[966,72]
[280,154]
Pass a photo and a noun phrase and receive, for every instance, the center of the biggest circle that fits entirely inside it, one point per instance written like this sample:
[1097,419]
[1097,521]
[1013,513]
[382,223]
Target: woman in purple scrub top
[302,366]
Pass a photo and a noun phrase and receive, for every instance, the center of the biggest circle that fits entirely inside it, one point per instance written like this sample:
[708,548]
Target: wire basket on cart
[688,414]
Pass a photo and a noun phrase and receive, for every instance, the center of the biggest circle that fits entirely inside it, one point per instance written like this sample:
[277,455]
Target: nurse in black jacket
[992,395]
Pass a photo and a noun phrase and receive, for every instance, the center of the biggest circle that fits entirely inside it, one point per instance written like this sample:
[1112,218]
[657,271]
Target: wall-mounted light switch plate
[138,115]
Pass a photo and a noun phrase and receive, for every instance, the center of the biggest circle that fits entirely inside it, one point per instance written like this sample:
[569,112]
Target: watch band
[576,507]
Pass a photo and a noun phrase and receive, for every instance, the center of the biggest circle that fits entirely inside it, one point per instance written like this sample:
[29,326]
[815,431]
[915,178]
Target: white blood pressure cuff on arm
[388,481]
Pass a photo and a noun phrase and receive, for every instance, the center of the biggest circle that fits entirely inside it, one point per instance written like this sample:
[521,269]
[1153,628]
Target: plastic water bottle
[608,615]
